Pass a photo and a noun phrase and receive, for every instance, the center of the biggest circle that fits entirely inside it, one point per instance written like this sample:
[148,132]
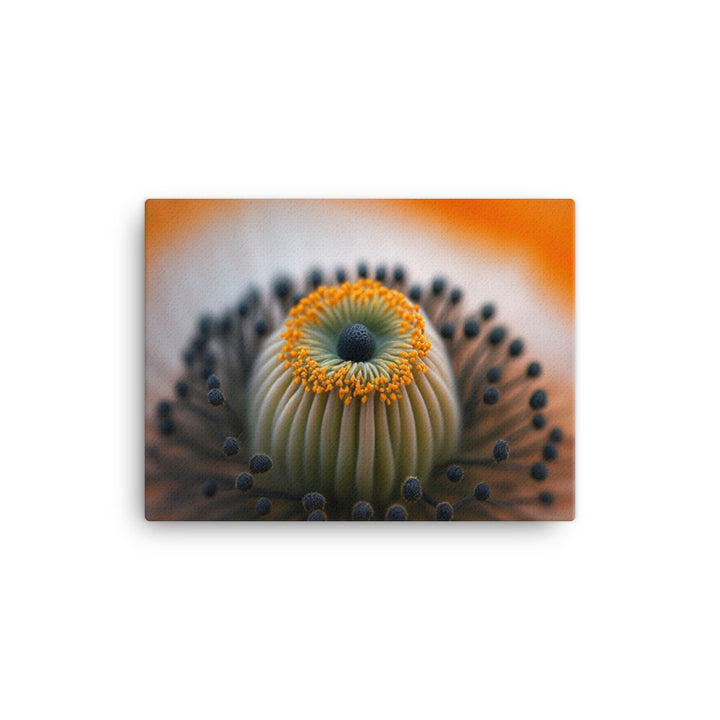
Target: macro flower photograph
[431,266]
[359,360]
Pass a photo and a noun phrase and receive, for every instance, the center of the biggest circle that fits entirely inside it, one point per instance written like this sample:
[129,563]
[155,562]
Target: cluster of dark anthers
[510,463]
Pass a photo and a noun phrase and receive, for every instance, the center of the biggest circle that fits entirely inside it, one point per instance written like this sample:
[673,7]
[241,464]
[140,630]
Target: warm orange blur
[167,222]
[542,231]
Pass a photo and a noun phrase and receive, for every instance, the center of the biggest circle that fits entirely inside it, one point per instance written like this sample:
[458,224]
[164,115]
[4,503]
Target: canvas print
[360,360]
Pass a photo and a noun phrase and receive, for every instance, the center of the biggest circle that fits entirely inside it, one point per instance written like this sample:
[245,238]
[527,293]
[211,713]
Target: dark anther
[546,497]
[362,270]
[244,482]
[516,348]
[494,375]
[455,473]
[550,452]
[231,447]
[313,501]
[356,343]
[455,296]
[243,309]
[167,426]
[556,435]
[411,489]
[213,382]
[380,273]
[415,293]
[497,335]
[209,488]
[471,328]
[491,395]
[259,464]
[261,327]
[444,511]
[163,409]
[438,286]
[188,357]
[534,369]
[315,278]
[181,388]
[198,345]
[215,397]
[340,275]
[501,451]
[205,326]
[538,400]
[399,273]
[482,491]
[316,515]
[226,324]
[487,311]
[297,297]
[362,511]
[447,331]
[539,421]
[539,471]
[206,372]
[282,287]
[263,506]
[396,512]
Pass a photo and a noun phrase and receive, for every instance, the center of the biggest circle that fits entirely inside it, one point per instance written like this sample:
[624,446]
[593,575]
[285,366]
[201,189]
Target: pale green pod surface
[352,395]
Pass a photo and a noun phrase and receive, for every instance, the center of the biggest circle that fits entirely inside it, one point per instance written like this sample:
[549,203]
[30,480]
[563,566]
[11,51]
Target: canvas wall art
[360,360]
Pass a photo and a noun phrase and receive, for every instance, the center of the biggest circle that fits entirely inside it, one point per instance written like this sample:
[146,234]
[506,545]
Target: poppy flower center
[355,391]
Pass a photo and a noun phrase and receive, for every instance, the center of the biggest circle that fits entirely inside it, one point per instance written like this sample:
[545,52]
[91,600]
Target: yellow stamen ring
[317,320]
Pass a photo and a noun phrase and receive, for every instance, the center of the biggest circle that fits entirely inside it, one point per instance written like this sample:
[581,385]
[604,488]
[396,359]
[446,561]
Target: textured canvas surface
[360,360]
